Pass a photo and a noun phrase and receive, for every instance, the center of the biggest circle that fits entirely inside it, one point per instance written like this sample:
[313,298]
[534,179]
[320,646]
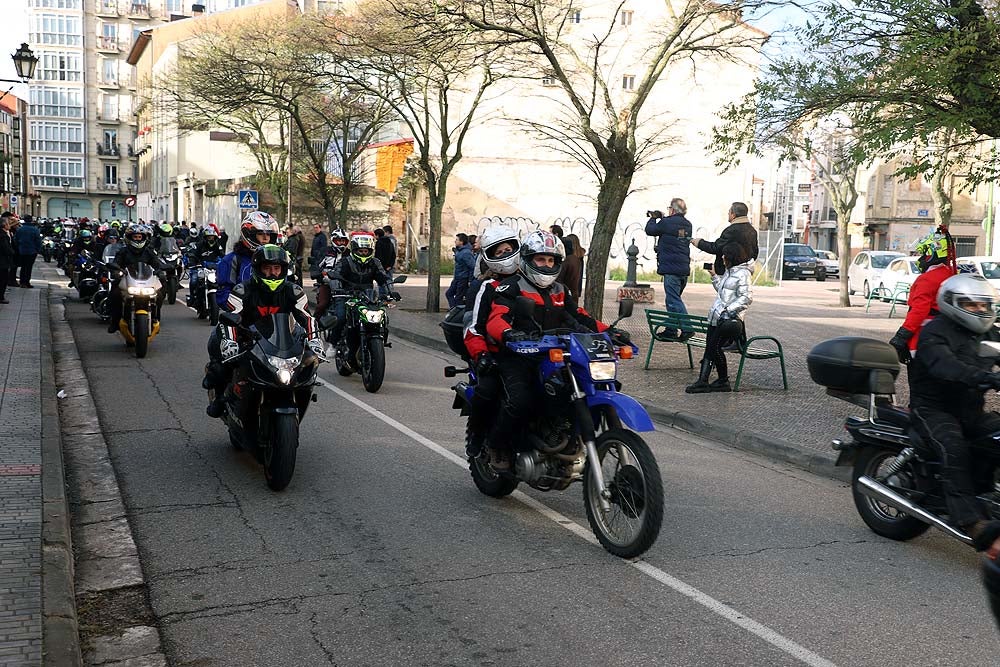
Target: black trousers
[27,264]
[962,464]
[485,399]
[3,282]
[718,337]
[520,394]
[12,271]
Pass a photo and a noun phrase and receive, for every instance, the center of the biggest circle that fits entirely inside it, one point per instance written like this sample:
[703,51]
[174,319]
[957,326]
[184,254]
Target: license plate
[807,272]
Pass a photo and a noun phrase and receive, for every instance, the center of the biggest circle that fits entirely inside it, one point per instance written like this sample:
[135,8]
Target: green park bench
[661,320]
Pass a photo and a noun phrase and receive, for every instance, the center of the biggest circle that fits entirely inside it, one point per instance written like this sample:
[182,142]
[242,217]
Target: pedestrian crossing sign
[248,199]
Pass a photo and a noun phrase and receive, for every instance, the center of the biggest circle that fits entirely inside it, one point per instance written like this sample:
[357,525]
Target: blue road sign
[248,199]
[13,200]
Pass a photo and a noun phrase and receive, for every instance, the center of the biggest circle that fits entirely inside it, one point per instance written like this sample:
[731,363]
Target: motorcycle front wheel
[882,519]
[632,476]
[373,365]
[141,335]
[213,312]
[171,290]
[279,459]
[47,256]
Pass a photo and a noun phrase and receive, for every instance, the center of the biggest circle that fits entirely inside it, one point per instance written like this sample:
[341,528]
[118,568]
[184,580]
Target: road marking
[725,611]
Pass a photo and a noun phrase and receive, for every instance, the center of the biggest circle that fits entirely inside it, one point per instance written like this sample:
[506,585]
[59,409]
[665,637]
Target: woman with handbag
[725,319]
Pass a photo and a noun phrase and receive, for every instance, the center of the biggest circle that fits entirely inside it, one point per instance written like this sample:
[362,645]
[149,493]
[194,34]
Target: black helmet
[269,254]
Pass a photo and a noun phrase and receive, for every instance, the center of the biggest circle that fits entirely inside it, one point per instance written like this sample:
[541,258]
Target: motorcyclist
[257,229]
[936,261]
[356,271]
[205,251]
[325,271]
[499,255]
[268,291]
[136,250]
[83,241]
[947,376]
[539,260]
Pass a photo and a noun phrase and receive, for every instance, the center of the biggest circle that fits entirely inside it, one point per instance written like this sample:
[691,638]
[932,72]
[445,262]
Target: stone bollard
[632,289]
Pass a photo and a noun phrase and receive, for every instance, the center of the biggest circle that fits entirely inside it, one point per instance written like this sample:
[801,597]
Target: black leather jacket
[947,371]
[250,301]
[353,274]
[128,258]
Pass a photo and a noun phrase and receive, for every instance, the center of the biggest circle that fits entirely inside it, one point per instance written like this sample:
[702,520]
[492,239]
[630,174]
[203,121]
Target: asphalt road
[382,552]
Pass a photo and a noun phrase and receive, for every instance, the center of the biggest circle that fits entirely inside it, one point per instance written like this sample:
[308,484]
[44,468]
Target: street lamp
[129,187]
[65,185]
[24,62]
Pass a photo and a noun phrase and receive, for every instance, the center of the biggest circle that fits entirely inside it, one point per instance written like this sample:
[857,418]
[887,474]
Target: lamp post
[129,187]
[24,62]
[65,185]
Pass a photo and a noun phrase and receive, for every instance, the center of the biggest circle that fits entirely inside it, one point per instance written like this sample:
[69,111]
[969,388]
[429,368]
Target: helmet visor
[363,252]
[502,250]
[977,305]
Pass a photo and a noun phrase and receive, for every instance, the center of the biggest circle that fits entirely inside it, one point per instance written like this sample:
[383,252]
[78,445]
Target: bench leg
[690,358]
[739,373]
[784,377]
[649,353]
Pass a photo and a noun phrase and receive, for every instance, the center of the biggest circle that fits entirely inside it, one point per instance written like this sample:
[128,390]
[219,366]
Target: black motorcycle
[170,256]
[896,478]
[364,337]
[48,248]
[271,388]
[202,290]
[108,278]
[86,275]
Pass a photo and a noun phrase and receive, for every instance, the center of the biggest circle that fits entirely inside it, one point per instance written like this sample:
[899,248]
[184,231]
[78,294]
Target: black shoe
[685,335]
[112,327]
[216,408]
[720,385]
[666,335]
[699,387]
[474,445]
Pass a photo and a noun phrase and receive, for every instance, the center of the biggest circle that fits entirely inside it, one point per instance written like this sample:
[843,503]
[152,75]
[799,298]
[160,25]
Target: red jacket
[923,299]
[554,308]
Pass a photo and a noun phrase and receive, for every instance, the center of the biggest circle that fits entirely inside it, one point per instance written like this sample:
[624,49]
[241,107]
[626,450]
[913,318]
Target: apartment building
[14,191]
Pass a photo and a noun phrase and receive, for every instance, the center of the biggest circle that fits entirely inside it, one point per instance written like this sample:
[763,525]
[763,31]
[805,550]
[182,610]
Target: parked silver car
[828,259]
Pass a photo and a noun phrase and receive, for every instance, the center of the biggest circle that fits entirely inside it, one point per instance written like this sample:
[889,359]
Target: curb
[60,628]
[106,557]
[723,433]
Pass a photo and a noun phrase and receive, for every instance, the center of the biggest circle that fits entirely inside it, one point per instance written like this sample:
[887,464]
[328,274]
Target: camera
[707,266]
[654,214]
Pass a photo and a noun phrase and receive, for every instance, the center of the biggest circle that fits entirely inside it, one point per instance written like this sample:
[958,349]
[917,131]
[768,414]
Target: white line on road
[725,611]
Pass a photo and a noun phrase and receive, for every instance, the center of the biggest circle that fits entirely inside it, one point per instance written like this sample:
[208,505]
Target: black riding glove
[993,381]
[620,337]
[514,336]
[485,365]
[901,341]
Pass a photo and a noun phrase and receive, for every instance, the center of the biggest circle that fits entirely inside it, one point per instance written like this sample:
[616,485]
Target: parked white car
[987,267]
[865,272]
[829,259]
[903,270]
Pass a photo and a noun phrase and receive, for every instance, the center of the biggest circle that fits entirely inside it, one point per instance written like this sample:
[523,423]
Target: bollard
[633,261]
[631,289]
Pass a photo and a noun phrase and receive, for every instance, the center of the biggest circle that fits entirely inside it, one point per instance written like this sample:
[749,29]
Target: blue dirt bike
[584,430]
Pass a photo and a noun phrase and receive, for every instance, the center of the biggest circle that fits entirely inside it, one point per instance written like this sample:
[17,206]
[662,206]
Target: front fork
[585,422]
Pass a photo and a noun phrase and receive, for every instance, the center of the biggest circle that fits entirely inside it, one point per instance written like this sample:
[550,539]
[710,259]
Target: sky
[14,19]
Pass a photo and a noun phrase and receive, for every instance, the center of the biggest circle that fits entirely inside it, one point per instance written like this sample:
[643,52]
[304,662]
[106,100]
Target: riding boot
[700,385]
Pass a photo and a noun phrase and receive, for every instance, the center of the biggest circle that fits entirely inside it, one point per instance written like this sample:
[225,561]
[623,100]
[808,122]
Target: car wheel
[867,291]
[850,290]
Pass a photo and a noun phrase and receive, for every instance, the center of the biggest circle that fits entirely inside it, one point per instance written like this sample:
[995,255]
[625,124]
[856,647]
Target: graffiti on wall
[625,235]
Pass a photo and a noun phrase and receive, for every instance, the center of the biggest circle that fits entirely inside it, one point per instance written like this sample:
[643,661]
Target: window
[575,16]
[626,18]
[55,137]
[175,6]
[51,101]
[329,6]
[59,66]
[886,201]
[110,142]
[51,171]
[548,80]
[109,107]
[109,70]
[860,259]
[628,82]
[111,175]
[55,4]
[107,38]
[56,29]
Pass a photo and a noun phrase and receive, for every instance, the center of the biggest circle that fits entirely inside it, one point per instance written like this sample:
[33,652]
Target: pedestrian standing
[12,224]
[6,254]
[317,251]
[465,266]
[300,253]
[673,259]
[571,273]
[739,231]
[29,245]
[386,255]
[392,237]
[291,246]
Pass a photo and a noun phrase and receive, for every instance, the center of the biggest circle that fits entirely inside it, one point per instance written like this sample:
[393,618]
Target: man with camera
[739,231]
[673,258]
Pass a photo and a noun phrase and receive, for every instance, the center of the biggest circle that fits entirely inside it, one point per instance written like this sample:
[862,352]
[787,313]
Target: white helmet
[541,243]
[963,297]
[504,263]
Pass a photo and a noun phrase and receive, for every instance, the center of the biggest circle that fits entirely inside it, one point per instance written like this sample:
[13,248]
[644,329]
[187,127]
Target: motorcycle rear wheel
[633,523]
[373,366]
[487,480]
[213,312]
[171,290]
[341,362]
[882,519]
[141,336]
[279,459]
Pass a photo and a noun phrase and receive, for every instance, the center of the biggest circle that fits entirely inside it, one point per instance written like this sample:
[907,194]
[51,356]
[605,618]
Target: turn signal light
[556,356]
[625,352]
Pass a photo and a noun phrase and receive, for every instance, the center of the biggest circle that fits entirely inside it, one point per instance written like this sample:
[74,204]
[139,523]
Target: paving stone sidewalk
[795,425]
[20,479]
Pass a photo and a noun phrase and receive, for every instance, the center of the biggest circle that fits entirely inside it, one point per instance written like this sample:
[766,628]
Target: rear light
[556,356]
[625,352]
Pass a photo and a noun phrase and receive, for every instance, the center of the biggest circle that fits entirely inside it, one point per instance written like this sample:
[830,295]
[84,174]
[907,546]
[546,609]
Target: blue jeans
[674,287]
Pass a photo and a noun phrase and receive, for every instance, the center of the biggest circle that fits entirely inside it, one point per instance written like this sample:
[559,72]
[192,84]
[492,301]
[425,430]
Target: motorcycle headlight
[373,316]
[282,364]
[142,291]
[210,275]
[602,370]
[284,377]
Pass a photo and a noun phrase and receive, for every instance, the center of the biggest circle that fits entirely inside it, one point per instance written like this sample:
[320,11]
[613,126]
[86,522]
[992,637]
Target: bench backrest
[658,318]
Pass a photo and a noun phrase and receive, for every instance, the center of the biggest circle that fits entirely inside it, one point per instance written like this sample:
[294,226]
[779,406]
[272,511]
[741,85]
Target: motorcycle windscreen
[168,245]
[109,252]
[597,346]
[280,335]
[141,273]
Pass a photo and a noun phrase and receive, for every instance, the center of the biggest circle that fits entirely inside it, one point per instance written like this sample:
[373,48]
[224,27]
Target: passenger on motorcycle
[83,241]
[936,261]
[137,250]
[539,260]
[499,244]
[356,271]
[947,377]
[206,250]
[257,229]
[267,292]
[326,270]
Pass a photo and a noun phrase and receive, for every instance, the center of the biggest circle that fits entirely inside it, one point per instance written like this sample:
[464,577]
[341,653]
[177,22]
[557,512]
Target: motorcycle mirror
[524,308]
[399,279]
[328,321]
[396,295]
[625,307]
[230,319]
[989,349]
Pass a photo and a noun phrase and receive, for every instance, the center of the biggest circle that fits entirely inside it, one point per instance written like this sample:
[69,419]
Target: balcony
[106,82]
[138,10]
[106,116]
[105,186]
[107,44]
[109,152]
[107,8]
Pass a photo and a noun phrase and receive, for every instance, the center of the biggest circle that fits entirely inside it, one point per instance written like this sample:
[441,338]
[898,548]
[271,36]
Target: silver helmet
[969,300]
[541,243]
[504,263]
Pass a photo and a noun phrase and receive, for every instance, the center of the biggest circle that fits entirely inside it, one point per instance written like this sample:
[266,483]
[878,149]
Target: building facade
[15,195]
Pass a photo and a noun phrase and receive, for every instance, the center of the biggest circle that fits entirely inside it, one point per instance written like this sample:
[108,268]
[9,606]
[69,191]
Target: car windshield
[797,250]
[991,270]
[882,261]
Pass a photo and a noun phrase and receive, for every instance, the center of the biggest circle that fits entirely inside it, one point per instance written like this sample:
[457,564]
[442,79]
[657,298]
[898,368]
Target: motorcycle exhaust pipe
[882,493]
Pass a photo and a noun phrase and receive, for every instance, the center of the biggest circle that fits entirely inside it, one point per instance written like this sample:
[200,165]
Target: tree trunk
[433,304]
[610,200]
[941,198]
[844,255]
